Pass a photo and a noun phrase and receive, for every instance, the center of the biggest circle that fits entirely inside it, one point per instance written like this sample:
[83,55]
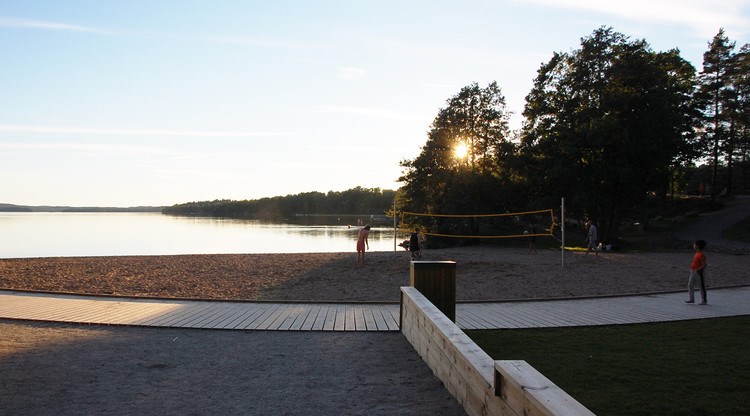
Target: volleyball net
[538,223]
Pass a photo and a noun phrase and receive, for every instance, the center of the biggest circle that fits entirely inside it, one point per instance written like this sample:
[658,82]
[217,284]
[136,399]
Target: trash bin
[436,280]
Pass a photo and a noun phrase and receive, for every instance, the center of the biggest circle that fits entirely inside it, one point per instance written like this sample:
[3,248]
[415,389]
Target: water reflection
[103,234]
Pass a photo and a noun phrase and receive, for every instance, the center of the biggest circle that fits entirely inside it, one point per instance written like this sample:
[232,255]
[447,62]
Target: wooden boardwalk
[200,314]
[616,310]
[363,316]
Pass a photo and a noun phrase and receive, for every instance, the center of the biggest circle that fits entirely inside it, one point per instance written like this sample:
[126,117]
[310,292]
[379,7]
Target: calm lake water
[115,234]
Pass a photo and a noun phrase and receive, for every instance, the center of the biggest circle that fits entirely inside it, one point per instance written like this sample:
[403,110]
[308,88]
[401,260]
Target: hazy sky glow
[162,102]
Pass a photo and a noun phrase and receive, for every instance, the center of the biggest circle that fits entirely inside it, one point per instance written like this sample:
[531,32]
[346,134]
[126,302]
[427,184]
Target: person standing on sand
[592,238]
[697,272]
[415,241]
[362,243]
[531,232]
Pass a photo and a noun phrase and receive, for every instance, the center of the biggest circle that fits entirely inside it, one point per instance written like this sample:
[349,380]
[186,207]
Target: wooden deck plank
[109,314]
[167,311]
[37,309]
[277,319]
[564,317]
[188,314]
[251,322]
[359,318]
[310,319]
[252,311]
[130,311]
[217,310]
[71,311]
[391,316]
[76,309]
[350,322]
[15,307]
[377,315]
[293,313]
[227,315]
[466,319]
[173,315]
[266,318]
[60,309]
[369,316]
[320,320]
[206,316]
[247,318]
[340,318]
[230,316]
[330,322]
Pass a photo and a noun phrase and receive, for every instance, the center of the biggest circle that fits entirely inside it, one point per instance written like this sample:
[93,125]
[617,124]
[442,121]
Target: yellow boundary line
[475,215]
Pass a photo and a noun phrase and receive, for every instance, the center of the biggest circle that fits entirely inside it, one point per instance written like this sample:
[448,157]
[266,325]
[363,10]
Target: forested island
[355,201]
[57,208]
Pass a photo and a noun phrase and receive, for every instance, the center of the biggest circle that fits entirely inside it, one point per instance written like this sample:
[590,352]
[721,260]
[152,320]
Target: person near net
[592,238]
[415,245]
[531,233]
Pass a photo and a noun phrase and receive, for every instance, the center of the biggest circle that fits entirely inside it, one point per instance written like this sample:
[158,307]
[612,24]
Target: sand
[482,273]
[54,369]
[61,369]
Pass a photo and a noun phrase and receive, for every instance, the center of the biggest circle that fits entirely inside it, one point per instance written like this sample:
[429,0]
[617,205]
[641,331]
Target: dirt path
[714,223]
[53,369]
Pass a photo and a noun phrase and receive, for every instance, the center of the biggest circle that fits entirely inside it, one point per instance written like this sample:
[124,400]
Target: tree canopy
[461,167]
[610,126]
[605,125]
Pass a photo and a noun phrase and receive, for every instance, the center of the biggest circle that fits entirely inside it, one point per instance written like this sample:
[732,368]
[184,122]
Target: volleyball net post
[562,232]
[395,228]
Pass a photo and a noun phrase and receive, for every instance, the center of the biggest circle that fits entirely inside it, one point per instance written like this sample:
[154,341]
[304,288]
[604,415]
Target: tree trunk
[730,157]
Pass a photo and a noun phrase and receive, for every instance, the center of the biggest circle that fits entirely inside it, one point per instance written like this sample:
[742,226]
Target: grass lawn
[699,367]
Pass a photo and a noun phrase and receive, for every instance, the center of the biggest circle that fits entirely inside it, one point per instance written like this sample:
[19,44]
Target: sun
[461,150]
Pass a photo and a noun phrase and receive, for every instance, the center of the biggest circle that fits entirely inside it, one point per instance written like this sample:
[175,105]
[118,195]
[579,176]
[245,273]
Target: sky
[156,102]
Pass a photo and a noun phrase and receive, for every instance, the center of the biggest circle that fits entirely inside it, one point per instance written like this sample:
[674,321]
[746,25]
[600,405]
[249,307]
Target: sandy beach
[91,369]
[482,273]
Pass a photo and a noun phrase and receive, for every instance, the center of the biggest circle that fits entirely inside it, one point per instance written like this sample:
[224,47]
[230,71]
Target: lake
[42,234]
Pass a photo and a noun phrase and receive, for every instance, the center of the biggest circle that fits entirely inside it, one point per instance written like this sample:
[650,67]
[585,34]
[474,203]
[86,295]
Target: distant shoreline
[55,208]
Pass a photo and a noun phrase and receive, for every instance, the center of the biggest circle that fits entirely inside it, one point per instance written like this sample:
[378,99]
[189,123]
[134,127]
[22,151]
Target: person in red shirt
[697,272]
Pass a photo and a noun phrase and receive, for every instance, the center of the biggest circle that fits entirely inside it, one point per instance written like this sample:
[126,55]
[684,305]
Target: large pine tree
[716,95]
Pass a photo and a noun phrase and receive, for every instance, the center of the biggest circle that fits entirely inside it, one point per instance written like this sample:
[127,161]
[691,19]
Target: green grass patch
[739,231]
[672,368]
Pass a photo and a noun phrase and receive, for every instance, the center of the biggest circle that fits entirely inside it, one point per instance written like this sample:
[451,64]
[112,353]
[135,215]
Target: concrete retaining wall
[482,386]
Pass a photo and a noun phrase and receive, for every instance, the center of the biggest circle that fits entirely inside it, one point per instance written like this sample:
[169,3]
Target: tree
[604,124]
[355,201]
[459,169]
[741,115]
[716,93]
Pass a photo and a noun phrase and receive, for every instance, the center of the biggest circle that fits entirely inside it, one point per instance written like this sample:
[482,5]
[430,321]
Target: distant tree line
[55,208]
[613,127]
[356,201]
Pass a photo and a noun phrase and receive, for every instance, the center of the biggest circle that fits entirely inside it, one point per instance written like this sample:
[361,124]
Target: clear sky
[153,102]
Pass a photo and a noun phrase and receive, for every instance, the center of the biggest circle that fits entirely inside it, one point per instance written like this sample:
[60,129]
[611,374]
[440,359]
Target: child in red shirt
[697,270]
